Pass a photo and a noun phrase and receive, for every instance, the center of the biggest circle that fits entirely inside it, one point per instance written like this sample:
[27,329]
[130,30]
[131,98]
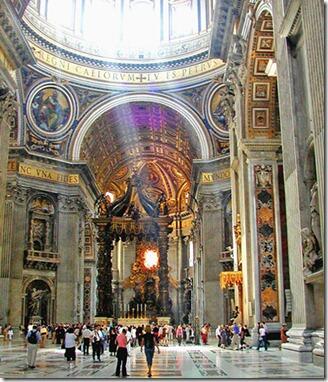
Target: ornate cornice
[7,106]
[225,13]
[12,39]
[71,204]
[210,202]
[17,193]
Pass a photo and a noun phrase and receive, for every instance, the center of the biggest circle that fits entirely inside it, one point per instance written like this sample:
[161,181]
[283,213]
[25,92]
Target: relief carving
[311,259]
[71,204]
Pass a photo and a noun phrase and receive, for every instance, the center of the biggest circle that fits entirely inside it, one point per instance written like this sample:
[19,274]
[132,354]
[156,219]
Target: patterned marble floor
[173,362]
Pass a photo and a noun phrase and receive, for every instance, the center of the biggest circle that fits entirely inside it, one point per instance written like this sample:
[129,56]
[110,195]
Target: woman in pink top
[122,353]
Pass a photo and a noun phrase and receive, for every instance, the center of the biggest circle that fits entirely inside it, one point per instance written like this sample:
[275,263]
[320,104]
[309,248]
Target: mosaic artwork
[266,243]
[50,109]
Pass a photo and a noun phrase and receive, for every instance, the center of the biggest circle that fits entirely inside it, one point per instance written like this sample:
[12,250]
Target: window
[141,24]
[61,12]
[100,21]
[182,20]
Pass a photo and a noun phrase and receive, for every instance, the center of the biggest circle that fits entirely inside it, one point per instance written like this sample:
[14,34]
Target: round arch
[262,6]
[190,115]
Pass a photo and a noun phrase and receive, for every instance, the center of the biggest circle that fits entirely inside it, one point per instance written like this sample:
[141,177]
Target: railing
[46,257]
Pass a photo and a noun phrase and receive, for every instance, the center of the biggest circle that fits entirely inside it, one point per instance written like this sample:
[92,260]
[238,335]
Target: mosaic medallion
[216,112]
[50,109]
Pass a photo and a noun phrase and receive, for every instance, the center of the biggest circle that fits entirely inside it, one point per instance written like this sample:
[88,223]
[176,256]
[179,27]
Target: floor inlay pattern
[189,361]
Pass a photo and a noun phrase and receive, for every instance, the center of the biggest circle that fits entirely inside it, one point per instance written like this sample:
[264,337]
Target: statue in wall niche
[38,233]
[35,304]
[43,205]
[161,205]
[315,217]
[311,259]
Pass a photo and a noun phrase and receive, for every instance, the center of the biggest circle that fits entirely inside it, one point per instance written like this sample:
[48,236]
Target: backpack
[32,338]
[149,341]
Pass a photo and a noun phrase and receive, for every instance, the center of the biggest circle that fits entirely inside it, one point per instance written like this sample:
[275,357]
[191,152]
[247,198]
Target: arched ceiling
[149,138]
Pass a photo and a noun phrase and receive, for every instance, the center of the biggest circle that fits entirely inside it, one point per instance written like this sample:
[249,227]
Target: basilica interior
[163,160]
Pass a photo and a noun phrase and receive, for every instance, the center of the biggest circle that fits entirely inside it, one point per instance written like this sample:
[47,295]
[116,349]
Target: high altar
[124,220]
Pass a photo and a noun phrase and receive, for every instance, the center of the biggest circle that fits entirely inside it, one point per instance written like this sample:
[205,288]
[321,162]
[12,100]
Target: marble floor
[175,362]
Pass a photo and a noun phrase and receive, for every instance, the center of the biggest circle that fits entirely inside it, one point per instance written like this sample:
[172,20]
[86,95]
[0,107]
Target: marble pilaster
[298,55]
[213,238]
[68,275]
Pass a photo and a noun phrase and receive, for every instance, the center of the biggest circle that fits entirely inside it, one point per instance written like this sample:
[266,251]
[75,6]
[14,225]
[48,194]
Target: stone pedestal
[300,345]
[318,340]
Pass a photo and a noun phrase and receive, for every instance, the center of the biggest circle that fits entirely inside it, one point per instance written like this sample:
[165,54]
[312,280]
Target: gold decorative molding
[123,77]
[48,174]
[211,177]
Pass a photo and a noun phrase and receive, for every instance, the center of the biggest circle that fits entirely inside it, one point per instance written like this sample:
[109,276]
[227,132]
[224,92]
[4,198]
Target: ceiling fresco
[150,139]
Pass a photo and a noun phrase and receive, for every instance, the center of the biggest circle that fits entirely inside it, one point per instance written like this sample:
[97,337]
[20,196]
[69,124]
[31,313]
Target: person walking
[112,342]
[33,337]
[218,335]
[122,354]
[262,338]
[44,335]
[10,333]
[86,335]
[96,343]
[235,336]
[149,342]
[179,334]
[69,342]
[283,335]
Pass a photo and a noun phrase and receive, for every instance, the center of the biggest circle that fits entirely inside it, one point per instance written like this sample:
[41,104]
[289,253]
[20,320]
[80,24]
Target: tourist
[218,335]
[69,341]
[244,332]
[122,354]
[96,336]
[283,334]
[224,337]
[204,334]
[33,337]
[139,334]
[262,338]
[129,339]
[112,342]
[134,336]
[44,334]
[148,343]
[86,336]
[10,333]
[235,336]
[179,334]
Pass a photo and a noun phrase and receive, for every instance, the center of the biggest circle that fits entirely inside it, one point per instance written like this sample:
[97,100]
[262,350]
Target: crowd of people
[96,339]
[118,340]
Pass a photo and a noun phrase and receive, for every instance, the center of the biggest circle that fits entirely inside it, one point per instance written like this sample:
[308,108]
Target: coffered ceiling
[148,138]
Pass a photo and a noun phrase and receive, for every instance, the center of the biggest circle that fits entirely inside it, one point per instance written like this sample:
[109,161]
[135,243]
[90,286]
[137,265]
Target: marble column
[7,111]
[163,272]
[104,271]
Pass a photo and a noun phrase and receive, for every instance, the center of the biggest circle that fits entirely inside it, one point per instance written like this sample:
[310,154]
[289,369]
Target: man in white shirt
[262,338]
[218,335]
[129,339]
[86,335]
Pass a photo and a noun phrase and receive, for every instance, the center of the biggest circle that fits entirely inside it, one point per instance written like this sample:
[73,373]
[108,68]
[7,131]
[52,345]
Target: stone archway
[186,112]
